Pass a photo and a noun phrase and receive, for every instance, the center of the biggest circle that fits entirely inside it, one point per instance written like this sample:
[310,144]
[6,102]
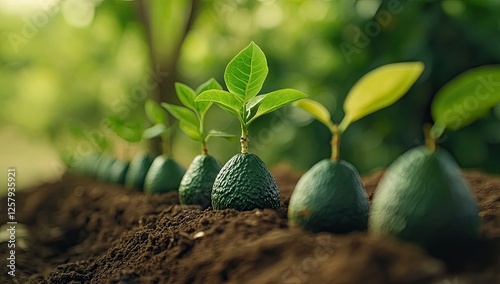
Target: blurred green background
[67,65]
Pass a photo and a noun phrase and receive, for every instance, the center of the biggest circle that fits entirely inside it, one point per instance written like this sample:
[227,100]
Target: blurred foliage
[67,65]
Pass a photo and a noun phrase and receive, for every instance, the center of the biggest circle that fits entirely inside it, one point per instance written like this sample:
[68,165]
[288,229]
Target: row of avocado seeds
[421,198]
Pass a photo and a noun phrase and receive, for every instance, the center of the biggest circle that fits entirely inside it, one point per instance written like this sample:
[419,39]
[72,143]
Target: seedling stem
[335,142]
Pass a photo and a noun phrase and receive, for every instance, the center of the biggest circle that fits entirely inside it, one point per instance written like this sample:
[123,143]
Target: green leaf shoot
[379,89]
[244,76]
[465,99]
[191,116]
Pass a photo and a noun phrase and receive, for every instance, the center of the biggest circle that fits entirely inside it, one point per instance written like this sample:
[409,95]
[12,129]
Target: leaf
[191,130]
[128,131]
[155,113]
[154,131]
[252,104]
[210,84]
[318,111]
[225,100]
[182,114]
[186,95]
[277,99]
[466,98]
[227,136]
[246,72]
[379,89]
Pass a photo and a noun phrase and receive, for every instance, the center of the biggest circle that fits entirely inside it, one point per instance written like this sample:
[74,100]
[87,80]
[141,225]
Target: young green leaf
[246,72]
[465,99]
[182,114]
[191,130]
[155,113]
[276,100]
[154,131]
[202,107]
[318,111]
[225,100]
[379,89]
[210,84]
[128,131]
[227,136]
[186,95]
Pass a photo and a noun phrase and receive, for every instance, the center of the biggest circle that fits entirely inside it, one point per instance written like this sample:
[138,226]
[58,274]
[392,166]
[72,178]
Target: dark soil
[82,231]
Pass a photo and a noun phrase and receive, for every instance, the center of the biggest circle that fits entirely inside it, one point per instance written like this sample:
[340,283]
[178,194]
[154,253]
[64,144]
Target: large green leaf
[155,113]
[318,111]
[182,114]
[186,95]
[274,100]
[379,89]
[466,98]
[154,131]
[245,74]
[225,100]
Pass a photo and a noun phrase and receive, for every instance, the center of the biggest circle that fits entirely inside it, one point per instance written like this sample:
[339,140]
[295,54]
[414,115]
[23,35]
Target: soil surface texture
[78,230]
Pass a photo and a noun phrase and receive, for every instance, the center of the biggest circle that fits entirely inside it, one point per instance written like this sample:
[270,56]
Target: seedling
[196,185]
[422,198]
[164,174]
[330,196]
[131,174]
[245,183]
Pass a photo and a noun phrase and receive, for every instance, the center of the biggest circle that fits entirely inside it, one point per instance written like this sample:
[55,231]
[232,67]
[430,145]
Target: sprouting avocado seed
[329,197]
[422,198]
[118,171]
[245,183]
[104,167]
[196,185]
[137,171]
[164,175]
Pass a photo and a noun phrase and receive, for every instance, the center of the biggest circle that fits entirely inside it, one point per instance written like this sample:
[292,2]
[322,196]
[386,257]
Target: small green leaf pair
[374,91]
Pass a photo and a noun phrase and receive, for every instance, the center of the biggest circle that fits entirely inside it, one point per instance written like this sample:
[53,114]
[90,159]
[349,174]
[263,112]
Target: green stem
[166,140]
[204,149]
[335,143]
[244,139]
[430,142]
